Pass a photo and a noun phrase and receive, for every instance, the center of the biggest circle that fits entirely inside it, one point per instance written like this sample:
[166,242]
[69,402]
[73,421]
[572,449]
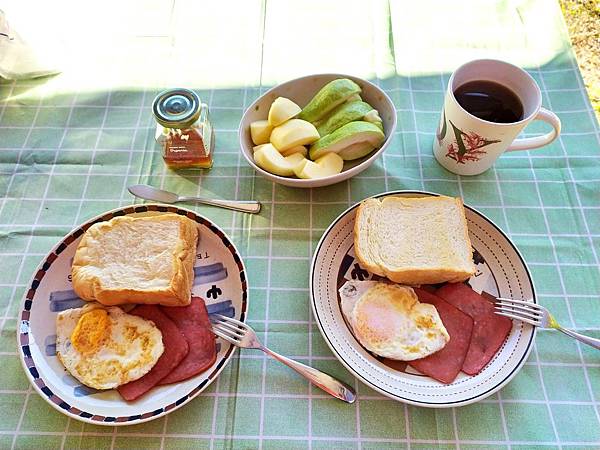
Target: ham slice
[489,329]
[193,322]
[176,348]
[445,364]
[395,364]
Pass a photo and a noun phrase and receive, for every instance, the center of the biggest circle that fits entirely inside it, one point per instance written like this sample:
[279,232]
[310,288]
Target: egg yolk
[92,329]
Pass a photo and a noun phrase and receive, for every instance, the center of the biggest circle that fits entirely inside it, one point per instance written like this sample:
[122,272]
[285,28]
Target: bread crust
[465,274]
[362,259]
[411,275]
[178,293]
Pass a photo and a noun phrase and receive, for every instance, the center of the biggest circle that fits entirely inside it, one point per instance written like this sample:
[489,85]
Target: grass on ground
[583,21]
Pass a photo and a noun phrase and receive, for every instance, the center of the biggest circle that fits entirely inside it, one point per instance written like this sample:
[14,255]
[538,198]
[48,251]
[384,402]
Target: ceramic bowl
[301,90]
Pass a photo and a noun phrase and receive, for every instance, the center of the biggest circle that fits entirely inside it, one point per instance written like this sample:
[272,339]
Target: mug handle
[538,141]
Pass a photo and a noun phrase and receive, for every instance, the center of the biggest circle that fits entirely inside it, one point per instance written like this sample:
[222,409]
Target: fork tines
[227,328]
[222,318]
[518,309]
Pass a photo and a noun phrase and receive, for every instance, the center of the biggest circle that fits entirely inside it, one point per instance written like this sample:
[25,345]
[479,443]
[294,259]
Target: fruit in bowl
[336,123]
[351,141]
[293,133]
[300,106]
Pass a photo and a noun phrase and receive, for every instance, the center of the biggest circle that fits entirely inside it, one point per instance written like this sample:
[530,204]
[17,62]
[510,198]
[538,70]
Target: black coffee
[490,101]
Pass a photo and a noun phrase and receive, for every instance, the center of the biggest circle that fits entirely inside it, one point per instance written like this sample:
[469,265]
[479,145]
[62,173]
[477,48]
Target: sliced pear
[282,109]
[312,171]
[326,166]
[297,149]
[268,158]
[343,114]
[331,95]
[299,167]
[296,160]
[292,133]
[348,135]
[260,131]
[258,147]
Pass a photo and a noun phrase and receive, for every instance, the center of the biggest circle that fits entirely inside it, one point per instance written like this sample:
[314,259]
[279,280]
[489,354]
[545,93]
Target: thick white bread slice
[414,240]
[137,260]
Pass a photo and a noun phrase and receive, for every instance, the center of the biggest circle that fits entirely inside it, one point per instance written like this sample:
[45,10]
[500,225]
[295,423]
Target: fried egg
[104,347]
[389,320]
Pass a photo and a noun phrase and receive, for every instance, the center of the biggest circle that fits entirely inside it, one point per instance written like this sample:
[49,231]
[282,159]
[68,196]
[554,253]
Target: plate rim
[73,233]
[448,404]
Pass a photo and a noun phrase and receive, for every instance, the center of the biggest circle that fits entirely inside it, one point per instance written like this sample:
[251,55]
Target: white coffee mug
[467,145]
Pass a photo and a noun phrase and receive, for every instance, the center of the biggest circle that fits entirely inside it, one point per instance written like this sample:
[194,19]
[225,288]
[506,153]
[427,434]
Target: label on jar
[188,144]
[185,148]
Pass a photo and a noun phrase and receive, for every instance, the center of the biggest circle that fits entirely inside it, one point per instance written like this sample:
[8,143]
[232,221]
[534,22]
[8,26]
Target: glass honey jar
[183,129]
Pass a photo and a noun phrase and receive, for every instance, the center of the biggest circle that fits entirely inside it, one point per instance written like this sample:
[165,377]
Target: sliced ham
[176,348]
[466,299]
[489,334]
[489,330]
[193,322]
[445,364]
[395,364]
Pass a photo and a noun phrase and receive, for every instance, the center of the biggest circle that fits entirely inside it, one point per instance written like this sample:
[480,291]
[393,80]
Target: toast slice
[414,241]
[146,260]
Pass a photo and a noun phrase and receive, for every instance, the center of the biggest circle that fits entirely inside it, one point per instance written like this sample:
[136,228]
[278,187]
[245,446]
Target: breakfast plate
[501,272]
[219,278]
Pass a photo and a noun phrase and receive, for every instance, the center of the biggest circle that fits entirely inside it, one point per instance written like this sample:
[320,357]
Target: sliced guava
[372,116]
[354,98]
[330,96]
[344,137]
[343,114]
[356,151]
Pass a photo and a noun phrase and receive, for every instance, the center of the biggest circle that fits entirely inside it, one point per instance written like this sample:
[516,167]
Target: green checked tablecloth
[71,144]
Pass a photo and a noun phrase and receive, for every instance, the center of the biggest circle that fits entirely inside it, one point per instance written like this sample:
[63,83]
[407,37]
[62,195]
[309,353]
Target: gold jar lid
[176,108]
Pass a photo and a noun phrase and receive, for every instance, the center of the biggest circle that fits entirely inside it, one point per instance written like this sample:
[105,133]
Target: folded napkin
[18,60]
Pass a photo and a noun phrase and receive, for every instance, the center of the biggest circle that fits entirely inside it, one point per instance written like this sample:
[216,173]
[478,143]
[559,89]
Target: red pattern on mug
[471,148]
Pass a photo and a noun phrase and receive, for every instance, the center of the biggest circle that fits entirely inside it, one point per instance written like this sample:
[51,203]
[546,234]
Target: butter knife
[158,195]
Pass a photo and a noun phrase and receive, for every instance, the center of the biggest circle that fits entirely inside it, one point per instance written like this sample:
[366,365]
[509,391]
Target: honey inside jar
[183,129]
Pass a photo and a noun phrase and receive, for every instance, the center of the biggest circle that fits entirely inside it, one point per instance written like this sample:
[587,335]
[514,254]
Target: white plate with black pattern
[220,279]
[501,272]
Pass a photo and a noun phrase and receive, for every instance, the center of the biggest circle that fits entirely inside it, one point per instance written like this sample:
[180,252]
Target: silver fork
[538,316]
[241,335]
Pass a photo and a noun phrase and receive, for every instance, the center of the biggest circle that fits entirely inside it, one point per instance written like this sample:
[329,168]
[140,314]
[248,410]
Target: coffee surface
[490,101]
